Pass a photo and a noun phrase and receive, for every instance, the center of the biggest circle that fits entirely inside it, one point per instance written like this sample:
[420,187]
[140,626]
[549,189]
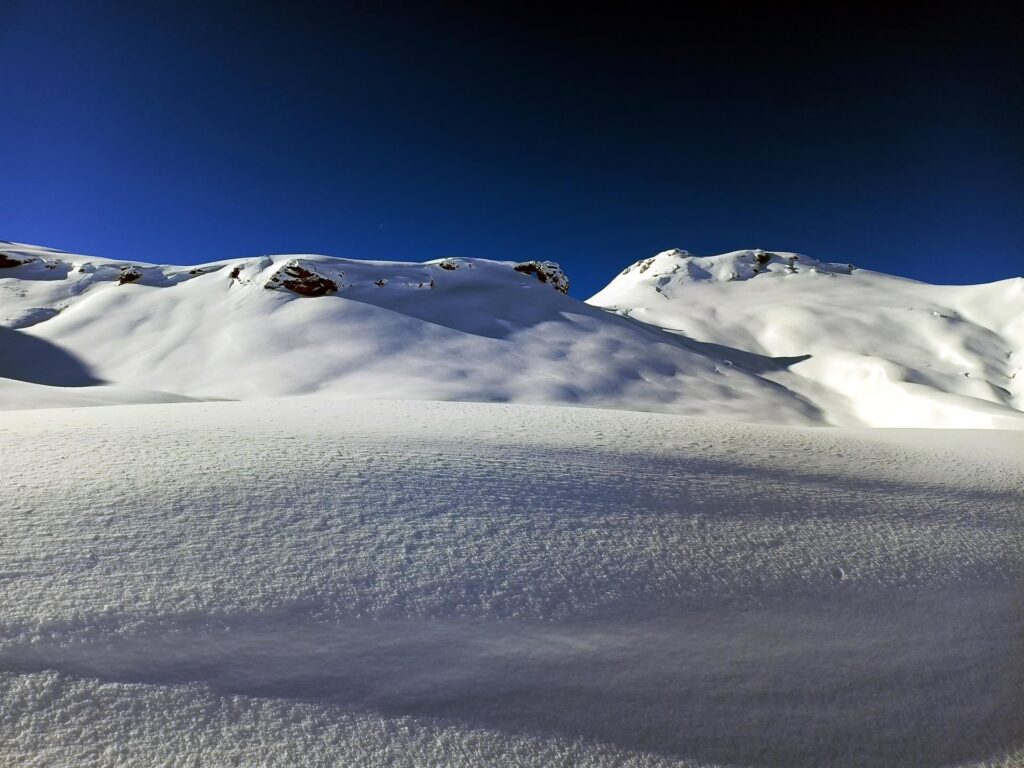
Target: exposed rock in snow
[130,275]
[546,272]
[302,280]
[7,262]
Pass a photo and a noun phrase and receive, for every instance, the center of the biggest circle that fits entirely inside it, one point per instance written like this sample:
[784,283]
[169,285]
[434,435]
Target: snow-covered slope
[325,581]
[750,336]
[453,329]
[309,581]
[874,349]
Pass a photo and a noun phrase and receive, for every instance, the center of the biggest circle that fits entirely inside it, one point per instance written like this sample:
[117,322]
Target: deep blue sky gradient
[189,132]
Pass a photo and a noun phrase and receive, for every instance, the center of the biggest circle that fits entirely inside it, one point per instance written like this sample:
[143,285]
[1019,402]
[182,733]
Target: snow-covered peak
[872,348]
[679,266]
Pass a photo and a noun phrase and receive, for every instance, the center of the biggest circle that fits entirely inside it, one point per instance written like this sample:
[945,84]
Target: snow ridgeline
[755,335]
[312,276]
[679,265]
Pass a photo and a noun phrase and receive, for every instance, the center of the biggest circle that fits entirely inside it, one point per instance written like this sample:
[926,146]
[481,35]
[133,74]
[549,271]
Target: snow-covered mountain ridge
[676,265]
[881,350]
[311,276]
[750,335]
[453,329]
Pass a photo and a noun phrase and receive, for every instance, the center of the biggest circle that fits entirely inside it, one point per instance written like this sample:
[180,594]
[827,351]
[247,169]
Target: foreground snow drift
[319,582]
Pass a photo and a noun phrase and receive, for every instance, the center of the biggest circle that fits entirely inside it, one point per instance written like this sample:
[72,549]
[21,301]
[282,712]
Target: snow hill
[873,349]
[750,336]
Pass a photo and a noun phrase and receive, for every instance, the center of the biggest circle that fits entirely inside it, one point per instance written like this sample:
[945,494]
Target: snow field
[408,583]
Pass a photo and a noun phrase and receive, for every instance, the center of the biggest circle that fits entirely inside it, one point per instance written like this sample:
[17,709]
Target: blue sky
[190,132]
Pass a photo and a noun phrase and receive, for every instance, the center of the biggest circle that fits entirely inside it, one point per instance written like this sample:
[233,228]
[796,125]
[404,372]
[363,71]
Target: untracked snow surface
[750,336]
[315,581]
[339,513]
[454,329]
[866,348]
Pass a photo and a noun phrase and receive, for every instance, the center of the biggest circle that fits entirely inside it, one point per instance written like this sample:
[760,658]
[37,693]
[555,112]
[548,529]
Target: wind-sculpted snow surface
[315,581]
[877,350]
[334,578]
[752,336]
[453,329]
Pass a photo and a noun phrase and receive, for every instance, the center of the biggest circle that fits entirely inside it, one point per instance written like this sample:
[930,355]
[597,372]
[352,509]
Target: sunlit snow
[290,536]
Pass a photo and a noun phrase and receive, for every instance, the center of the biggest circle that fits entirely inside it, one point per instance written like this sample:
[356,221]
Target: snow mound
[449,329]
[876,350]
